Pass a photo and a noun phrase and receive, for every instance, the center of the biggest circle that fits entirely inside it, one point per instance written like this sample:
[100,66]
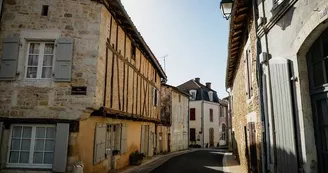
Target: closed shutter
[1,129]
[283,116]
[63,64]
[8,66]
[61,147]
[117,142]
[124,138]
[142,140]
[100,143]
[150,142]
[192,114]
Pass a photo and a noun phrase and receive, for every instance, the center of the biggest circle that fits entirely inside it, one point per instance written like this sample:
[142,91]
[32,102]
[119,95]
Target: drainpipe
[188,121]
[202,122]
[229,120]
[262,96]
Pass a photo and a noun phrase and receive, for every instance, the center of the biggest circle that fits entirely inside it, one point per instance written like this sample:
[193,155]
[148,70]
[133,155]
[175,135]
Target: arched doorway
[317,60]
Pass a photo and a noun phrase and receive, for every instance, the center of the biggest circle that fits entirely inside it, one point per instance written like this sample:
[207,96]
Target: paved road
[204,161]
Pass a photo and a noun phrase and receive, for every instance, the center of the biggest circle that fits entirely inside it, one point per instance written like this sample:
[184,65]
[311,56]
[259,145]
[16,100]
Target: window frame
[133,51]
[155,97]
[192,97]
[194,115]
[31,151]
[211,115]
[210,95]
[40,59]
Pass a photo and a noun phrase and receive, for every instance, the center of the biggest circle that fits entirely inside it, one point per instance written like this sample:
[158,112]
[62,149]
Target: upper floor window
[179,98]
[133,51]
[222,111]
[155,96]
[248,73]
[210,95]
[318,61]
[193,94]
[40,59]
[211,115]
[192,114]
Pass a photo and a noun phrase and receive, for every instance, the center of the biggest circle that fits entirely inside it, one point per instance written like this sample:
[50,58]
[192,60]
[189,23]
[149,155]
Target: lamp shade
[226,8]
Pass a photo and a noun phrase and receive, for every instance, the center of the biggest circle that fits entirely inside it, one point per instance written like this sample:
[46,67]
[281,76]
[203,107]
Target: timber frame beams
[238,26]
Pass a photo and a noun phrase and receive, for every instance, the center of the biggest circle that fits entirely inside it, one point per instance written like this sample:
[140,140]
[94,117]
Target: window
[31,146]
[210,95]
[221,111]
[40,57]
[223,131]
[155,96]
[179,98]
[211,115]
[192,114]
[133,51]
[248,74]
[192,134]
[193,94]
[318,61]
[109,137]
[44,11]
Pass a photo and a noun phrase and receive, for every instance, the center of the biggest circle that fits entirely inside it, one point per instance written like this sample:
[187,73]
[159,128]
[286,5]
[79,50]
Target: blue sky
[192,32]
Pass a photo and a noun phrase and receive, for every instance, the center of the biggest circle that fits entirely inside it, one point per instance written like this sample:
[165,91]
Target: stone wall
[79,20]
[244,107]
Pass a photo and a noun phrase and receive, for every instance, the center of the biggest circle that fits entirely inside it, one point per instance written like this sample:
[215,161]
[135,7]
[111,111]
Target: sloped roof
[238,26]
[202,90]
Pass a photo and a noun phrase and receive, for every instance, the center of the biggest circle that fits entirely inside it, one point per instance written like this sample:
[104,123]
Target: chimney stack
[197,79]
[208,85]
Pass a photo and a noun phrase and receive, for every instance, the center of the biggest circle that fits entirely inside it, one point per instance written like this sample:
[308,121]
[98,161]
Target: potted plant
[136,158]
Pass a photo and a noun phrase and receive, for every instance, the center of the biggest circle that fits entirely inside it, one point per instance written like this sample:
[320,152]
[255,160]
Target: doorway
[317,60]
[211,137]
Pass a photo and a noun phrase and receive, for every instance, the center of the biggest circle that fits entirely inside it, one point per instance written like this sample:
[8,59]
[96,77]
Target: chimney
[197,79]
[208,85]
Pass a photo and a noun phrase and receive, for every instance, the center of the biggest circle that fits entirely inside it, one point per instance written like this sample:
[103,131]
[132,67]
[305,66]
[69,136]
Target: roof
[202,90]
[177,89]
[117,10]
[238,26]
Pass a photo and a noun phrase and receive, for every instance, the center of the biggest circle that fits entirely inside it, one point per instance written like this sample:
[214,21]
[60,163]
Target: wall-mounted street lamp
[226,8]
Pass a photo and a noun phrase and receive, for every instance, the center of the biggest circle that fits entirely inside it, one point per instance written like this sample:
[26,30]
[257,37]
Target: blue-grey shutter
[100,143]
[63,63]
[150,142]
[61,147]
[124,138]
[142,138]
[8,66]
[283,116]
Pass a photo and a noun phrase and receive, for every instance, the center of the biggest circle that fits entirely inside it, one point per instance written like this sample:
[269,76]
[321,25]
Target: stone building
[78,85]
[174,117]
[290,56]
[204,109]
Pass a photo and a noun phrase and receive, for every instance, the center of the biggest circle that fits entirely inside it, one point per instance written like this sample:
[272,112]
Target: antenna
[164,61]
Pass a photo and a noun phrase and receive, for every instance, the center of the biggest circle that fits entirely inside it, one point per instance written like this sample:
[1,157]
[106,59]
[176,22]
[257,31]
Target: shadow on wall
[286,161]
[286,20]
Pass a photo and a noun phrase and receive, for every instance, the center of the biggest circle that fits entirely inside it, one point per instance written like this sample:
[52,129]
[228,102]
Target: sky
[192,33]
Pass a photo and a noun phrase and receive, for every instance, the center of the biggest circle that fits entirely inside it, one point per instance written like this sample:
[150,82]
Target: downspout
[262,106]
[202,123]
[229,120]
[188,125]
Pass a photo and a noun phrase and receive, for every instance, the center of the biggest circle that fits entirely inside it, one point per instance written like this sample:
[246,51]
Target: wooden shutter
[118,133]
[8,66]
[99,153]
[192,134]
[192,114]
[61,147]
[63,62]
[283,115]
[150,142]
[142,139]
[124,138]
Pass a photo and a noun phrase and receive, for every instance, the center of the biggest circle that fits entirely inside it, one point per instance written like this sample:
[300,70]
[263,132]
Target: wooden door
[252,147]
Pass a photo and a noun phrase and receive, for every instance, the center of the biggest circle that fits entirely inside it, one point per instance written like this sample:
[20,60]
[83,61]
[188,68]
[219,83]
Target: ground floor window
[31,146]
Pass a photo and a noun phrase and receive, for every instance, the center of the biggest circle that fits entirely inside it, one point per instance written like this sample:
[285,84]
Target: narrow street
[203,161]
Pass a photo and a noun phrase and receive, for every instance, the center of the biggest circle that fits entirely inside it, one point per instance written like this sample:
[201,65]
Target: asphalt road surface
[204,161]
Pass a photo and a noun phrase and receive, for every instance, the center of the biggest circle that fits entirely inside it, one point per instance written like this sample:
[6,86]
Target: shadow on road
[204,161]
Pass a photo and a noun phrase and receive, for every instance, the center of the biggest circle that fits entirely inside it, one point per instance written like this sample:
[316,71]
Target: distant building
[173,133]
[204,114]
